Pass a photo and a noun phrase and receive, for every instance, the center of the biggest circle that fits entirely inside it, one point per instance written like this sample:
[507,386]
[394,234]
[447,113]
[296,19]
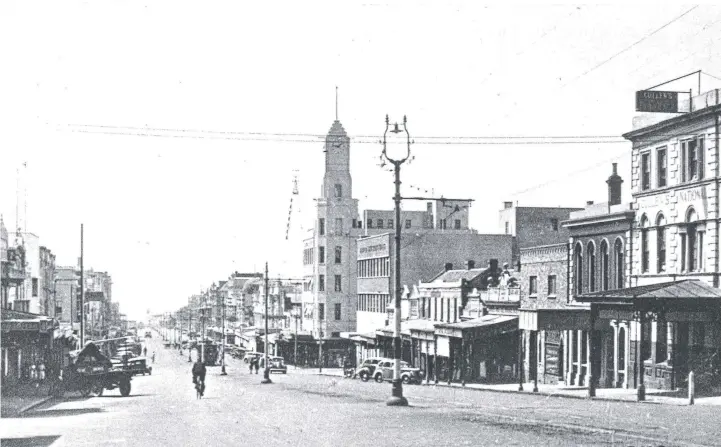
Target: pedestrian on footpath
[250,366]
[153,357]
[145,351]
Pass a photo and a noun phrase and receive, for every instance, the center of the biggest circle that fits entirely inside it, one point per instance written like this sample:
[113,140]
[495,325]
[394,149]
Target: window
[380,223]
[604,265]
[35,287]
[408,223]
[661,167]
[508,228]
[457,224]
[661,244]
[338,283]
[645,171]
[390,223]
[338,225]
[321,283]
[442,224]
[554,224]
[578,270]
[337,311]
[533,285]
[370,223]
[692,244]
[692,157]
[321,311]
[618,262]
[321,226]
[591,267]
[321,255]
[644,245]
[338,255]
[552,285]
[338,190]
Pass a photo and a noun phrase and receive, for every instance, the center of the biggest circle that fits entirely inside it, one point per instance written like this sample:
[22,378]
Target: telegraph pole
[190,329]
[222,354]
[266,371]
[82,292]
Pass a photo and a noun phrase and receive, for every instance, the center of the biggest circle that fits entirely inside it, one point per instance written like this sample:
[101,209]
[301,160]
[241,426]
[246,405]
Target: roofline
[672,122]
[599,218]
[537,247]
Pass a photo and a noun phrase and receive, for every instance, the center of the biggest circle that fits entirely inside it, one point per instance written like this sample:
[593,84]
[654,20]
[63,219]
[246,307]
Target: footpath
[12,406]
[653,396]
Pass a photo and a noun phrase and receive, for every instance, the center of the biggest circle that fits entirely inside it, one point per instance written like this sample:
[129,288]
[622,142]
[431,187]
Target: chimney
[589,202]
[448,266]
[470,264]
[507,205]
[614,187]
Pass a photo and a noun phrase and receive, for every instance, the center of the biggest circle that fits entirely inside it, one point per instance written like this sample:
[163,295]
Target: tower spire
[336,103]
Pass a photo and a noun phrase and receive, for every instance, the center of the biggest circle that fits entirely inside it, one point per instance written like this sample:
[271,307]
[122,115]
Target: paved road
[306,410]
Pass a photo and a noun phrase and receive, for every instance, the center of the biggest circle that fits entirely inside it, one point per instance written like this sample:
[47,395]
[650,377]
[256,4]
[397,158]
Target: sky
[172,130]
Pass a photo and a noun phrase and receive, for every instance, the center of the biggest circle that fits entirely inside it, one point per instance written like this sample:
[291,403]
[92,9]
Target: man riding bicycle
[199,373]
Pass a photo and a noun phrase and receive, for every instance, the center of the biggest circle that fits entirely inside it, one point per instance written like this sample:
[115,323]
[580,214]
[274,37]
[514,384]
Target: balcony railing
[502,295]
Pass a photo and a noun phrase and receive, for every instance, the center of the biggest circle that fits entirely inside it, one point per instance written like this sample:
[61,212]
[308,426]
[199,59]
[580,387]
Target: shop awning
[358,337]
[13,320]
[485,326]
[675,291]
[408,326]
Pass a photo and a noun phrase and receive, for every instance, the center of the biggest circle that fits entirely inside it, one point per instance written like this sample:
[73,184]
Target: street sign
[656,101]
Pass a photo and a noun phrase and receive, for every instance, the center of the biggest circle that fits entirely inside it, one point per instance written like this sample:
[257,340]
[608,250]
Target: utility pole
[295,348]
[397,398]
[266,370]
[222,354]
[82,292]
[190,329]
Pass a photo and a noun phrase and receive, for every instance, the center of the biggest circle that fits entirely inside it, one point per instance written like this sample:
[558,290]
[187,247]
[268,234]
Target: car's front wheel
[363,376]
[406,380]
[379,378]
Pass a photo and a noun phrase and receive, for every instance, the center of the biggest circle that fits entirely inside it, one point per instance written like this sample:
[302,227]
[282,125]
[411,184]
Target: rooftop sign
[656,101]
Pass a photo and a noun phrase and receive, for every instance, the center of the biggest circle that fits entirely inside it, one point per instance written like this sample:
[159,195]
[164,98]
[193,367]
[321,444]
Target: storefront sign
[378,249]
[655,101]
[552,356]
[31,326]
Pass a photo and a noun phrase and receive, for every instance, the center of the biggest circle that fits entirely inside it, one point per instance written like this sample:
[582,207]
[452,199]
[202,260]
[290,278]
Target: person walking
[145,351]
[153,357]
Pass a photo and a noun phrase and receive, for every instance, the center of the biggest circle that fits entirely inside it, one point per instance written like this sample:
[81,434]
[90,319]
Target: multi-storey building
[12,275]
[40,269]
[65,286]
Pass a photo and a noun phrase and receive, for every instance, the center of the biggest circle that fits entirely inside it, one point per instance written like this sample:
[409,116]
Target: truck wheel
[124,387]
[99,390]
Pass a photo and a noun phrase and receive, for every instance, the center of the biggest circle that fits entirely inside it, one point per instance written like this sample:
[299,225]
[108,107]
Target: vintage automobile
[90,372]
[384,372]
[367,368]
[276,364]
[250,355]
[133,364]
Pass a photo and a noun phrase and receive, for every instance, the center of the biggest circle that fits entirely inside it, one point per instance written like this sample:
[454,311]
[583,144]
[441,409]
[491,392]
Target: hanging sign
[656,101]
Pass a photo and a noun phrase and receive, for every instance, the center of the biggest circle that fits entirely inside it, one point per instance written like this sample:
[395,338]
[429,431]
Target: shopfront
[27,343]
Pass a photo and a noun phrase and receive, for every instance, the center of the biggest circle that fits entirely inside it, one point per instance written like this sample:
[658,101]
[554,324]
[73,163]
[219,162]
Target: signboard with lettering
[656,101]
[375,248]
[552,359]
[693,196]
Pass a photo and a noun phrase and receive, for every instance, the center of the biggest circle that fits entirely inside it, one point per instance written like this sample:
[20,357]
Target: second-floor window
[661,244]
[321,255]
[661,167]
[408,223]
[321,283]
[370,223]
[533,285]
[457,224]
[442,224]
[380,223]
[338,190]
[551,285]
[35,287]
[321,311]
[554,225]
[618,262]
[644,245]
[390,223]
[692,158]
[321,226]
[338,255]
[645,171]
[338,283]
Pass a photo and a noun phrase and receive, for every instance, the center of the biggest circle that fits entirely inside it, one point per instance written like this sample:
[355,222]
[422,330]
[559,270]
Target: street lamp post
[266,370]
[190,329]
[397,398]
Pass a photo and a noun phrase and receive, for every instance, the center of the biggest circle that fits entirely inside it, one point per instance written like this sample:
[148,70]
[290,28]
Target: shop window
[660,244]
[645,171]
[661,167]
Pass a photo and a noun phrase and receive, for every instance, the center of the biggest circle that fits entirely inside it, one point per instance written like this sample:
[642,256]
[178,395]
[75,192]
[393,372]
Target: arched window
[692,243]
[644,244]
[604,265]
[591,267]
[660,244]
[578,270]
[618,262]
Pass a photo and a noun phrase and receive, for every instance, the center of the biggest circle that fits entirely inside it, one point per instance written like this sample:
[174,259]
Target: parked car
[367,368]
[384,372]
[276,364]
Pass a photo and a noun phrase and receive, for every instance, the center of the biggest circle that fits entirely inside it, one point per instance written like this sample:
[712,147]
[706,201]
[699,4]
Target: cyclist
[199,374]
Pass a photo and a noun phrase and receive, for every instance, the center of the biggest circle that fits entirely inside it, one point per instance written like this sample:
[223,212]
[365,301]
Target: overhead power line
[647,36]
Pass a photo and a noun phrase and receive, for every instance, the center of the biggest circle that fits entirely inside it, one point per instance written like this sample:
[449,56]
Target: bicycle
[199,388]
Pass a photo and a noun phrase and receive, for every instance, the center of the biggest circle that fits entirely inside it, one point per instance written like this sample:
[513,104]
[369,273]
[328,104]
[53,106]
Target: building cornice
[683,119]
